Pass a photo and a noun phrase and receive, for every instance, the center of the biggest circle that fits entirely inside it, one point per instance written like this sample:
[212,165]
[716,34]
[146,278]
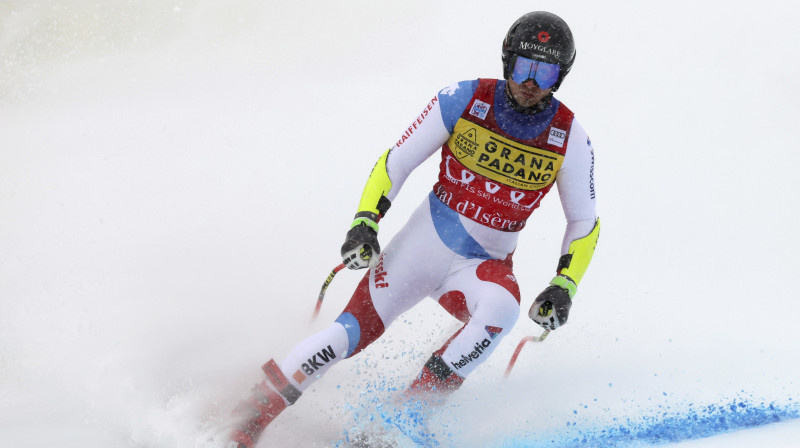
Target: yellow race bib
[503,160]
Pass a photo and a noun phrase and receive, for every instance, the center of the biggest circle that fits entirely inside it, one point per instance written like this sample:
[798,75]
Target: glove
[361,246]
[551,308]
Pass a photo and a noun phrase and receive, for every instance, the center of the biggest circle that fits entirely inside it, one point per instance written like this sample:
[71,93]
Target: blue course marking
[666,427]
[660,425]
[353,329]
[452,232]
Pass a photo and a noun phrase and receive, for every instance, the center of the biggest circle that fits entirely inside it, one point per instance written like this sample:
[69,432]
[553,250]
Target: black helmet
[541,36]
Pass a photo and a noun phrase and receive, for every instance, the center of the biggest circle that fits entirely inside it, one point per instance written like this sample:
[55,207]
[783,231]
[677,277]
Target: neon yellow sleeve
[576,261]
[373,199]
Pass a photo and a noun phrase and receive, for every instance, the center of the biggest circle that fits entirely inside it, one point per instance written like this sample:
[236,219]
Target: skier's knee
[501,313]
[360,320]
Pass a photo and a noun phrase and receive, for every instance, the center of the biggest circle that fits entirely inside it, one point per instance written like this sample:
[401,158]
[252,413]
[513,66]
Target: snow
[176,178]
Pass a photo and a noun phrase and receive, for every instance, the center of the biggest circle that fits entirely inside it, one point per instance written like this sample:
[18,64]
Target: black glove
[551,308]
[361,246]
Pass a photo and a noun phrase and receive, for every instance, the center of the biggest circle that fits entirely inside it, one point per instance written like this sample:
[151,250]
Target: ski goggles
[545,75]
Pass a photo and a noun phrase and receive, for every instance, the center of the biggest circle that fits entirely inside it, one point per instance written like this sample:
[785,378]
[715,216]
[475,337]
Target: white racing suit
[456,248]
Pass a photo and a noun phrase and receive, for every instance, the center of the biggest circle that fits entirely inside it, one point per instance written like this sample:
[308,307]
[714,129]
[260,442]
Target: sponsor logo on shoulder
[418,122]
[480,109]
[557,137]
[449,90]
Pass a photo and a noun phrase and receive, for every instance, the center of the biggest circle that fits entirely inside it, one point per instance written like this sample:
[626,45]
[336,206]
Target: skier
[504,143]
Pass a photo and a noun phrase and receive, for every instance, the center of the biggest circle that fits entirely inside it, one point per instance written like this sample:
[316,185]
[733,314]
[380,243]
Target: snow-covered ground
[176,178]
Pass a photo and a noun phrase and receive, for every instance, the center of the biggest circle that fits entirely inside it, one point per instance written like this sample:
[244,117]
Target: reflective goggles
[545,75]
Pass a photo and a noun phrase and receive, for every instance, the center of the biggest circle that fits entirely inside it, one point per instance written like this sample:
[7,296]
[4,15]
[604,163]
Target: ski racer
[504,144]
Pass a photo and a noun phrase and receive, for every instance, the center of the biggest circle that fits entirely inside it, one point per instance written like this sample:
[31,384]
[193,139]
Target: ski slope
[176,178]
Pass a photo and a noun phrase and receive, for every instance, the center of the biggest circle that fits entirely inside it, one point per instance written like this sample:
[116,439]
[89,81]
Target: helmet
[541,36]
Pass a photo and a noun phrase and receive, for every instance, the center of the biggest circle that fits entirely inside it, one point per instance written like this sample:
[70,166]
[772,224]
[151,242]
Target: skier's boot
[435,381]
[263,406]
[425,396]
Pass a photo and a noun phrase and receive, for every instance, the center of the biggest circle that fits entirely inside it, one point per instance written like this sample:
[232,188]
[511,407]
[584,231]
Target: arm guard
[374,204]
[575,262]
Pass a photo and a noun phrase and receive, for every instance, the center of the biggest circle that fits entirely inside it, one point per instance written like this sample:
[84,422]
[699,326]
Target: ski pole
[521,344]
[325,288]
